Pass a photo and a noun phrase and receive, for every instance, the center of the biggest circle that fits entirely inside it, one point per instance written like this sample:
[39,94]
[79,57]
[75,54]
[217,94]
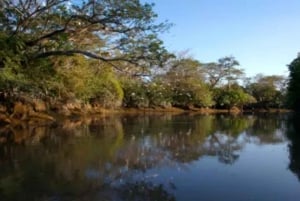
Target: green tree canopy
[186,80]
[294,84]
[269,91]
[235,96]
[108,30]
[224,69]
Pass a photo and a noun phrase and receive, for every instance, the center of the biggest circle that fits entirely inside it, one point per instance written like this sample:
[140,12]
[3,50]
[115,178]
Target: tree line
[108,52]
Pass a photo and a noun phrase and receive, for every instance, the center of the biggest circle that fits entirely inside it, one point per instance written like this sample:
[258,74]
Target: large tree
[233,97]
[294,84]
[224,69]
[269,91]
[108,30]
[186,80]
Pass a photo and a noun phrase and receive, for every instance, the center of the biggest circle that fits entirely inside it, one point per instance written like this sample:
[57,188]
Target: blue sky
[263,35]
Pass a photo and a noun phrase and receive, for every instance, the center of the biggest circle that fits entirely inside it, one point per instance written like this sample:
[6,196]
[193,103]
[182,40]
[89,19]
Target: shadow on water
[293,134]
[108,158]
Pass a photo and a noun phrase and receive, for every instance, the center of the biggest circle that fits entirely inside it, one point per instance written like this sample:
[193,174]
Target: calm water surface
[153,157]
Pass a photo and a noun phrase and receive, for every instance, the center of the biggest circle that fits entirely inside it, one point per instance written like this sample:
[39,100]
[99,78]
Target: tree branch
[91,55]
[34,42]
[38,10]
[82,52]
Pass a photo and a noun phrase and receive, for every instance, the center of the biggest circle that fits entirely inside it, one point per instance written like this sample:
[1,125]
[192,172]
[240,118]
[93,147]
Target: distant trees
[224,69]
[107,52]
[181,85]
[186,80]
[236,96]
[188,83]
[222,78]
[269,91]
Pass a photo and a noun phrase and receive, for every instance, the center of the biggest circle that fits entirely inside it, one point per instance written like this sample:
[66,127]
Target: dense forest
[61,54]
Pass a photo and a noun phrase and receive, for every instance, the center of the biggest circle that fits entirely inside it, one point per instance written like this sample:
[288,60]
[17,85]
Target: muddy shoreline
[37,111]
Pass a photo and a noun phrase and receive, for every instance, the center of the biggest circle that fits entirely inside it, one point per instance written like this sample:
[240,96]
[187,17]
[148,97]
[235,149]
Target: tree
[186,80]
[294,84]
[269,91]
[134,93]
[225,69]
[235,96]
[158,93]
[108,30]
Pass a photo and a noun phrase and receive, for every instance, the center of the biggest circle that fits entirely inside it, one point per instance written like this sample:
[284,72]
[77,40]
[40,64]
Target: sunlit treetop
[108,30]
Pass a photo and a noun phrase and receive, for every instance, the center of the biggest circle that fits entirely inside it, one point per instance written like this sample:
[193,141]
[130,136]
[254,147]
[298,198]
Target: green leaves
[110,31]
[224,69]
[134,93]
[89,81]
[294,84]
[269,91]
[41,42]
[186,81]
[232,97]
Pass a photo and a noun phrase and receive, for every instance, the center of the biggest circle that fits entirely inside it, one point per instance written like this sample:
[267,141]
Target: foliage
[35,81]
[134,93]
[89,81]
[142,93]
[159,93]
[107,52]
[107,30]
[41,43]
[269,91]
[187,93]
[225,69]
[294,84]
[234,96]
[185,78]
[10,64]
[108,91]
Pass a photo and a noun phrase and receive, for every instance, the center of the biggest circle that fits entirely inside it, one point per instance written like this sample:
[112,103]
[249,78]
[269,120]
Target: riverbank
[36,110]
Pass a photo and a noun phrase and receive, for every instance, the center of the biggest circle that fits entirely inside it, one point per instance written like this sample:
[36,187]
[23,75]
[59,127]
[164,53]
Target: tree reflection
[107,158]
[268,128]
[232,125]
[293,134]
[223,146]
[145,191]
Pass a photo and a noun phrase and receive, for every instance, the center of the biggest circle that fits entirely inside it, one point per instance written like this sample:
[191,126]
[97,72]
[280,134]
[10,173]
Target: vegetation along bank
[72,59]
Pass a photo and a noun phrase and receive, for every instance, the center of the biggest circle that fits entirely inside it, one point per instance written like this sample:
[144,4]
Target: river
[153,157]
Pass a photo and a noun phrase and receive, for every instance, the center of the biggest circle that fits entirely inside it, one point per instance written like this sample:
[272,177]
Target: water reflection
[120,157]
[293,133]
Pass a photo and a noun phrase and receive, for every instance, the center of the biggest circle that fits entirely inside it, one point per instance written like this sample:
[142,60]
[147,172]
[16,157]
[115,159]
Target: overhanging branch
[88,54]
[82,52]
[33,42]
